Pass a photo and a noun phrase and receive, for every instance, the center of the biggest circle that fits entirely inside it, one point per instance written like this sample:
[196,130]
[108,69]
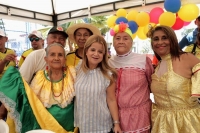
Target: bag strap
[32,77]
[194,49]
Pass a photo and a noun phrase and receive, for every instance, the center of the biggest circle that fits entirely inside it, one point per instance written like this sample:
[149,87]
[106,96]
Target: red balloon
[178,24]
[155,14]
[186,23]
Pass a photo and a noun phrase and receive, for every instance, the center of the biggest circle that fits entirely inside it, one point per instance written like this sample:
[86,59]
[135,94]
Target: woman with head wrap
[134,78]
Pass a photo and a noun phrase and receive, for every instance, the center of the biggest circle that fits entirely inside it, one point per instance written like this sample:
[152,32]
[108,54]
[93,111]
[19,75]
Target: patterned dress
[133,92]
[175,110]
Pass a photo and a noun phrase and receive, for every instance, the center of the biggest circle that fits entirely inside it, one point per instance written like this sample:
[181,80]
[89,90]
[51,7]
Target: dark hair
[198,39]
[198,18]
[83,28]
[175,50]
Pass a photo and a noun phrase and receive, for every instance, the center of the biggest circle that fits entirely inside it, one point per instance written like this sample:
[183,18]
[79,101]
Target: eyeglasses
[36,39]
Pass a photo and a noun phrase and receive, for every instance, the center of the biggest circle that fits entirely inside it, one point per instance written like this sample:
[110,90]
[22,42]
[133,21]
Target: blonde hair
[103,65]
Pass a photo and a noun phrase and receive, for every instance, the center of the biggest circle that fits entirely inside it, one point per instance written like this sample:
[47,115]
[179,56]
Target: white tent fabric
[56,12]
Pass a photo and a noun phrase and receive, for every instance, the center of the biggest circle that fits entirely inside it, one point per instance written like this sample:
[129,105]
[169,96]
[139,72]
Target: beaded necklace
[50,78]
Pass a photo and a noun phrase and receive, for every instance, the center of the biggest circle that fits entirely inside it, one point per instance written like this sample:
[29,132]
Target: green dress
[27,111]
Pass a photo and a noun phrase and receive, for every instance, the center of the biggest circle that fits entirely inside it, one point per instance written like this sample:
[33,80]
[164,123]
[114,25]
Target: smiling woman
[96,81]
[175,85]
[134,78]
[55,57]
[161,43]
[47,102]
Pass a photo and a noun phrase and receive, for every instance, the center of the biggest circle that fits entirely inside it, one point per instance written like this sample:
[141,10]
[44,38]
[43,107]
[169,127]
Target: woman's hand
[117,128]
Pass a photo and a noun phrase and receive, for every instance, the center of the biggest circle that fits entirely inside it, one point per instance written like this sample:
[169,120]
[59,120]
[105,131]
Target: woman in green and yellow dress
[47,103]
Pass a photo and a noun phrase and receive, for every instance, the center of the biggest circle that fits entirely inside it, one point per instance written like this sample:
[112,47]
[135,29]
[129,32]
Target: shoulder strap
[32,78]
[194,49]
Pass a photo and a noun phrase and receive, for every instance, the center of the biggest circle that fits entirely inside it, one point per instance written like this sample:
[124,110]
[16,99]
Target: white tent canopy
[56,12]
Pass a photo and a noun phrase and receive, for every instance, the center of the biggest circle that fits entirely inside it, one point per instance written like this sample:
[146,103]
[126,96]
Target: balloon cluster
[173,15]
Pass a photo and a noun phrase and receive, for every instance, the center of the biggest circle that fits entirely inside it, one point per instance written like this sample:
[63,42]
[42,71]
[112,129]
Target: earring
[47,68]
[64,68]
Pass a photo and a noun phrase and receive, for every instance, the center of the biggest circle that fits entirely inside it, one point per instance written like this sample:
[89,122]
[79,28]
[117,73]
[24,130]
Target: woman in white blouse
[96,108]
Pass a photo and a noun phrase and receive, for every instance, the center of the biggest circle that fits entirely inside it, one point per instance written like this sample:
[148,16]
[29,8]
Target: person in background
[133,83]
[7,56]
[37,42]
[194,48]
[35,60]
[78,34]
[192,36]
[175,85]
[7,59]
[95,103]
[48,102]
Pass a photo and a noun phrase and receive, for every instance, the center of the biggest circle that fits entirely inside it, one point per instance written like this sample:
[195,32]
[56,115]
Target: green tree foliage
[98,21]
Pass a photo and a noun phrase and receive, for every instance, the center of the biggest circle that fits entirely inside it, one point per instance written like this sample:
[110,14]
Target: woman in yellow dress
[175,85]
[47,103]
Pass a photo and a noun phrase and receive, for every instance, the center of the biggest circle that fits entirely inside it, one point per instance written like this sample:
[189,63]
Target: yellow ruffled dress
[176,108]
[63,90]
[50,108]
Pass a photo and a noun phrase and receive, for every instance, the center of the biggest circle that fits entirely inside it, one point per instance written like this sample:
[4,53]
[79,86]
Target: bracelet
[116,122]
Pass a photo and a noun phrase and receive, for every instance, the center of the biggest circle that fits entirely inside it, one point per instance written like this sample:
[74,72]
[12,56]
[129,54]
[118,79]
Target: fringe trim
[12,112]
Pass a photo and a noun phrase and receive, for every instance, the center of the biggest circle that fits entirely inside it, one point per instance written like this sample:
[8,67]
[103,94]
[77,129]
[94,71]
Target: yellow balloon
[111,21]
[121,13]
[188,12]
[167,19]
[134,35]
[142,19]
[132,15]
[148,27]
[116,28]
[140,33]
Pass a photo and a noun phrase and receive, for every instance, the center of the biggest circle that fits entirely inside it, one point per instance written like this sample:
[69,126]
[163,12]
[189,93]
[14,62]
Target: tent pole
[55,19]
[54,16]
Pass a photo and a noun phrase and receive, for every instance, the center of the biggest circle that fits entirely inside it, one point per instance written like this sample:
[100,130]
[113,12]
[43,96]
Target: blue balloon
[172,5]
[133,26]
[121,19]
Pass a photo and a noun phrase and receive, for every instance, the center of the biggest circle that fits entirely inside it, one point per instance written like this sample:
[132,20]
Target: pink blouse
[133,92]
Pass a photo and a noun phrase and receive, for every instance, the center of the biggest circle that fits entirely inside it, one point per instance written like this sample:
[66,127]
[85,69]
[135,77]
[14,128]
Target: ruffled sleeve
[63,91]
[195,89]
[72,72]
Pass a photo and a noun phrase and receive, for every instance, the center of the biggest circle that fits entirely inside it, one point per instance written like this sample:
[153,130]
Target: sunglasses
[36,39]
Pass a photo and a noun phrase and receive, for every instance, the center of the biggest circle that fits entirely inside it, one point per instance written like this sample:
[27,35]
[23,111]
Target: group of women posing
[111,95]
